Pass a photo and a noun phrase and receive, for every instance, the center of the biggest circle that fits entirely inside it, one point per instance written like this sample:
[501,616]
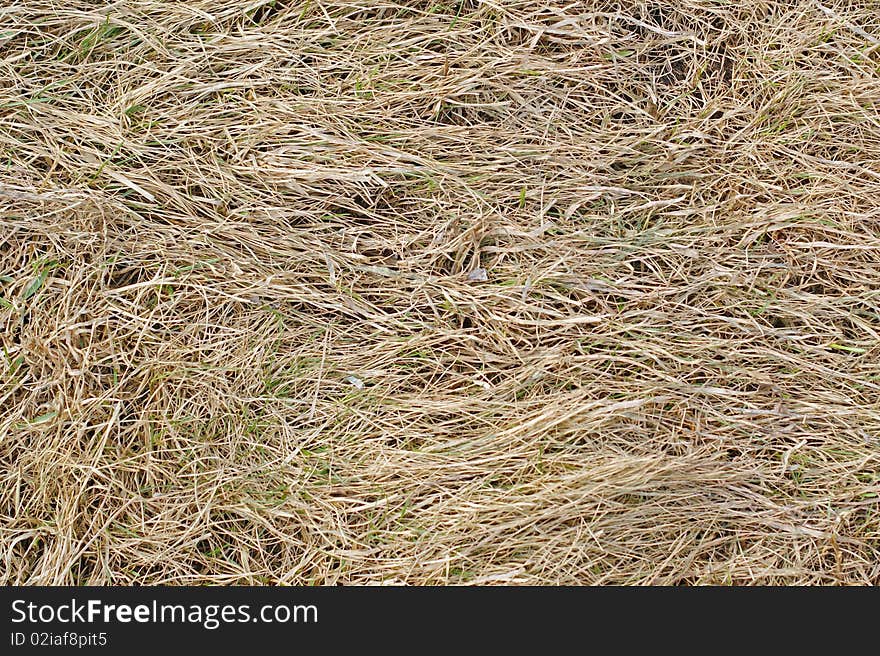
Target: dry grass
[247,337]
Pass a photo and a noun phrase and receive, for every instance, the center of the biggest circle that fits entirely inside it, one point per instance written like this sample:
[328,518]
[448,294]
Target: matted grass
[440,292]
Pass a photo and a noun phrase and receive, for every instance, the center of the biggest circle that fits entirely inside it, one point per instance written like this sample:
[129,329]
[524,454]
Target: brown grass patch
[440,292]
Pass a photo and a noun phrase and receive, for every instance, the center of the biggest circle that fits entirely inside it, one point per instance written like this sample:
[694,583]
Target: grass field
[483,292]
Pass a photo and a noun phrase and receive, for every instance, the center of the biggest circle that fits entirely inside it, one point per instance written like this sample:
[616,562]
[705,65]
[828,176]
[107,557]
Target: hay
[440,292]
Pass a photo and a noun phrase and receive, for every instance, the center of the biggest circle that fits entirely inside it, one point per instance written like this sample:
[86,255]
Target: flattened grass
[439,293]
